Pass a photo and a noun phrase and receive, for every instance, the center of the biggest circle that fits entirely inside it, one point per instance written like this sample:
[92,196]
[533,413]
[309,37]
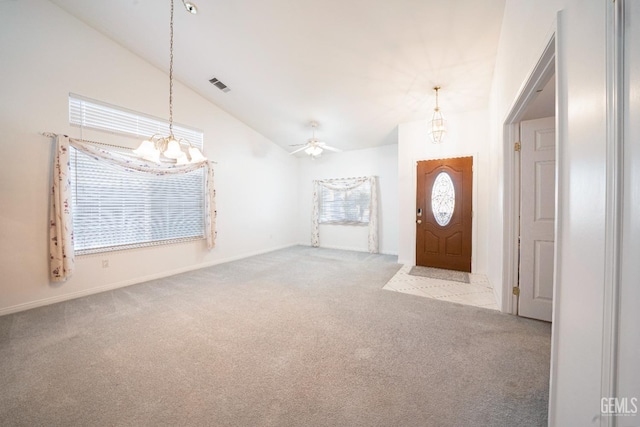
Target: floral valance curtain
[346,185]
[61,259]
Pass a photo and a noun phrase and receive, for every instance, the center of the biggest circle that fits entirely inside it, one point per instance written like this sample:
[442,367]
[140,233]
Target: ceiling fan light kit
[158,147]
[313,151]
[437,125]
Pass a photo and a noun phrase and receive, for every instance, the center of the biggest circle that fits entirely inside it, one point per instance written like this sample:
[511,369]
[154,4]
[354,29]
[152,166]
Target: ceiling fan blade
[326,147]
[296,145]
[299,149]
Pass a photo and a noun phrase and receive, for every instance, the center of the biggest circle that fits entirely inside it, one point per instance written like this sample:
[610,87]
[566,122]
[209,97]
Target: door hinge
[516,291]
[516,146]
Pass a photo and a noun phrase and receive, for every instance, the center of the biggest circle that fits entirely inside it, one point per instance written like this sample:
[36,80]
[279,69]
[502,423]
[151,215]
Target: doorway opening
[529,194]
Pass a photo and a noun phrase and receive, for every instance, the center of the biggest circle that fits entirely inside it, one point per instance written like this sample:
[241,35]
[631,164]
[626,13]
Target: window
[443,199]
[114,209]
[91,114]
[338,206]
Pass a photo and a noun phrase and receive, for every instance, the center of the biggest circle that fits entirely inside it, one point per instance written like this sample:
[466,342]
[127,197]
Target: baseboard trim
[496,294]
[348,248]
[124,283]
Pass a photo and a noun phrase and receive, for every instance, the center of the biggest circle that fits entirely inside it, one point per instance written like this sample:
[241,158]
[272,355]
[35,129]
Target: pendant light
[437,128]
[168,148]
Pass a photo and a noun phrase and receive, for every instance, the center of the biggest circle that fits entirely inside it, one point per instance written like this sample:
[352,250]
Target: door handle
[419,221]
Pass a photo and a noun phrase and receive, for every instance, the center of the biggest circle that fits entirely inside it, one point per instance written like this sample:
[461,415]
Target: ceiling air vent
[217,83]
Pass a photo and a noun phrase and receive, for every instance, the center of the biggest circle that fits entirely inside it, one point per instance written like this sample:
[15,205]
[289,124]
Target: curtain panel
[61,260]
[346,185]
[61,255]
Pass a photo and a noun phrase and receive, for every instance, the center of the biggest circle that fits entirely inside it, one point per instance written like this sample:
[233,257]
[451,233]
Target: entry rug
[438,273]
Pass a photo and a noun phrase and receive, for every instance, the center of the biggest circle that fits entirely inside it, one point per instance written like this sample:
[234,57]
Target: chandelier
[168,148]
[437,127]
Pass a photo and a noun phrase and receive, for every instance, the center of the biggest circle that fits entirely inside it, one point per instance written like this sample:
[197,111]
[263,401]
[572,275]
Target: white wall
[380,161]
[46,53]
[467,135]
[581,322]
[526,29]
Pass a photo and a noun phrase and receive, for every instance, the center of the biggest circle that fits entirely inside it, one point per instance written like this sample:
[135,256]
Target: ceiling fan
[314,147]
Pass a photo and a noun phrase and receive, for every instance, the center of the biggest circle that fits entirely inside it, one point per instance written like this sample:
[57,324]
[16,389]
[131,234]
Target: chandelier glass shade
[170,148]
[437,126]
[160,148]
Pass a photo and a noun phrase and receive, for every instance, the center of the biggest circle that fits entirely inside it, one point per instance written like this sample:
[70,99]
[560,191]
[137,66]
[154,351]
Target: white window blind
[91,114]
[345,206]
[114,209]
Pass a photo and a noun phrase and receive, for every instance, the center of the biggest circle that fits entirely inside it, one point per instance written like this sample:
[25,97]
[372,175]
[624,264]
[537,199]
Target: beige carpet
[297,337]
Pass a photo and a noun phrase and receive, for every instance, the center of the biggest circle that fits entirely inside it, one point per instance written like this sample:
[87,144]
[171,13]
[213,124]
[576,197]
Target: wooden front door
[444,213]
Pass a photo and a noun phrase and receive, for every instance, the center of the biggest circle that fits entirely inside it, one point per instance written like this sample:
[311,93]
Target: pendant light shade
[148,151]
[173,150]
[182,159]
[437,126]
[196,155]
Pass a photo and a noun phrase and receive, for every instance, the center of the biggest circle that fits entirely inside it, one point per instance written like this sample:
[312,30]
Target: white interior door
[537,217]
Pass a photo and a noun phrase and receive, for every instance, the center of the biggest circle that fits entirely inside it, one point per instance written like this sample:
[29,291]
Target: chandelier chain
[171,72]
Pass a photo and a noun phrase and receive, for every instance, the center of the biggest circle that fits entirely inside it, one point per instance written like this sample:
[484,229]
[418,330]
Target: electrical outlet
[105,263]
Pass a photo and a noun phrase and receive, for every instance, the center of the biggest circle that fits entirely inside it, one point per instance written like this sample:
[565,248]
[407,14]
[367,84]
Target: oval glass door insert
[443,199]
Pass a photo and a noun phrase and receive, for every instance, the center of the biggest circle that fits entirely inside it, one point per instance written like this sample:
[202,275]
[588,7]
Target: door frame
[474,203]
[542,72]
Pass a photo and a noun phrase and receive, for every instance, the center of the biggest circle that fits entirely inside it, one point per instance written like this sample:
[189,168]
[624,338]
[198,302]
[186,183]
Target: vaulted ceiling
[357,67]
